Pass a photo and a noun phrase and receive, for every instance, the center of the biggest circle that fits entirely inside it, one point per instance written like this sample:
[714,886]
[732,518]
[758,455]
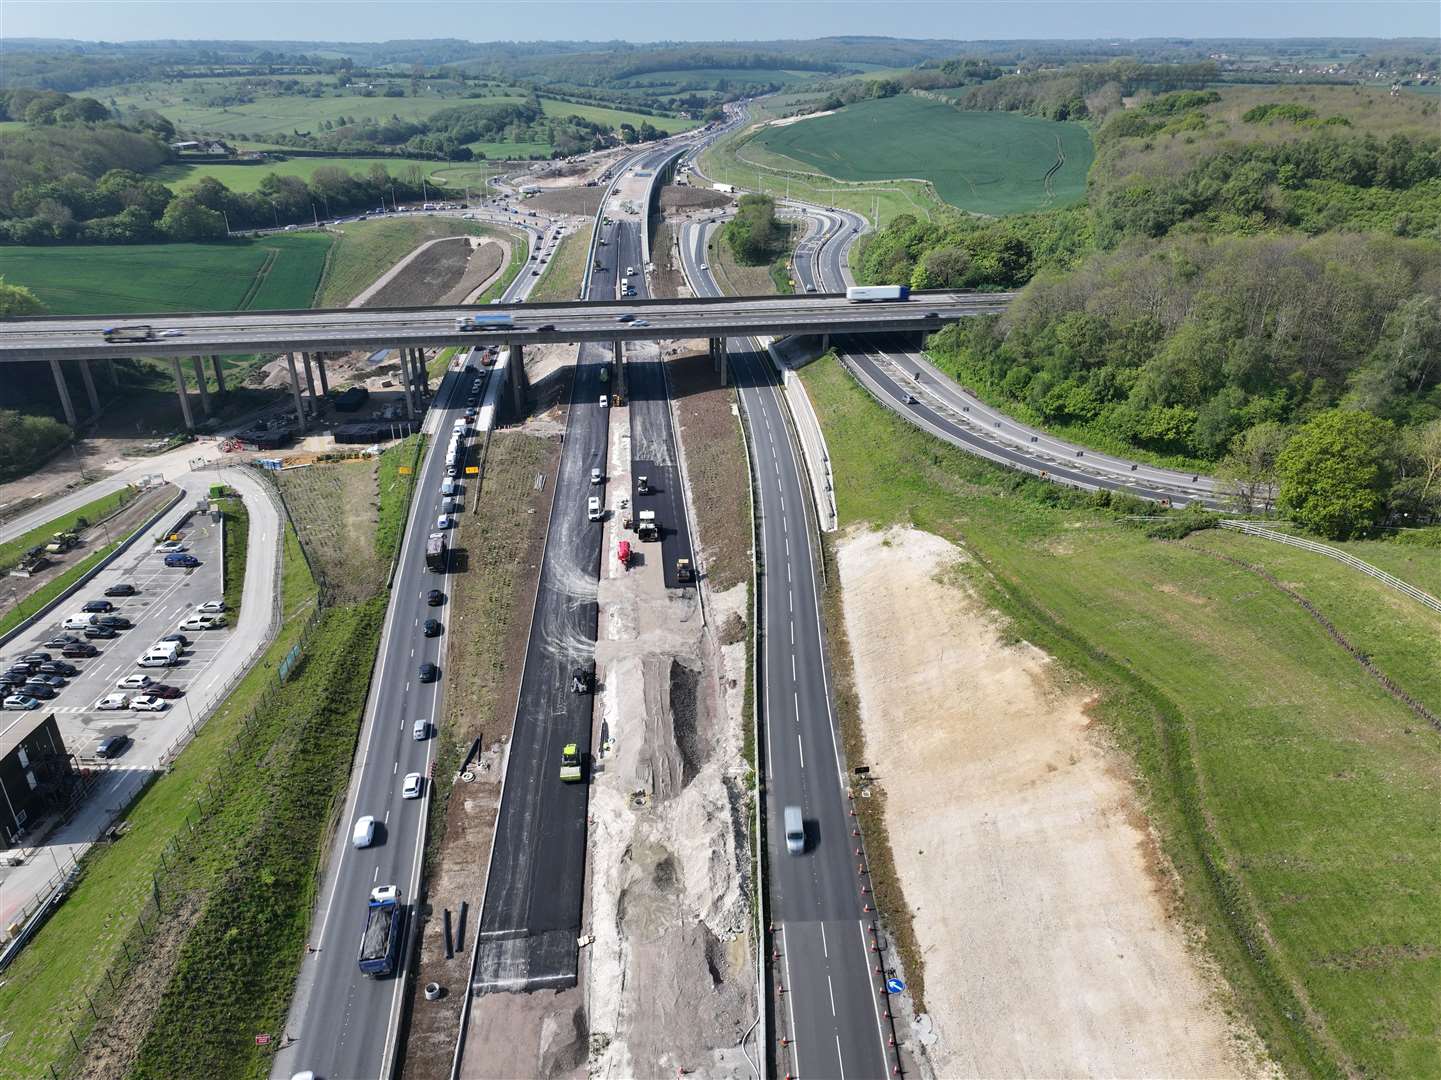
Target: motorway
[831,1010]
[345,1024]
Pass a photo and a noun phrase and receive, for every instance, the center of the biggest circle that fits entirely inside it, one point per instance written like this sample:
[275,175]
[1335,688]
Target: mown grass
[43,996]
[236,523]
[366,249]
[519,254]
[566,269]
[247,178]
[1293,794]
[395,489]
[91,512]
[237,967]
[82,279]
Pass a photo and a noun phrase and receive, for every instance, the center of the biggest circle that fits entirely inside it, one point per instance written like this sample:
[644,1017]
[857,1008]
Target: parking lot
[165,597]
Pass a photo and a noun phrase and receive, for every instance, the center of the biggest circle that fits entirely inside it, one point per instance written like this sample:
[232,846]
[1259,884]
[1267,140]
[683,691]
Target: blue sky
[530,20]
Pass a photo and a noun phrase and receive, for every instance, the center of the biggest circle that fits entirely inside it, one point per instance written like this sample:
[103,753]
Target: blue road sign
[895,986]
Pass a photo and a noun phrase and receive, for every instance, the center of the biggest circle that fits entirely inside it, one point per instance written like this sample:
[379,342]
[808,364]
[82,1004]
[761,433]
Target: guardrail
[1252,528]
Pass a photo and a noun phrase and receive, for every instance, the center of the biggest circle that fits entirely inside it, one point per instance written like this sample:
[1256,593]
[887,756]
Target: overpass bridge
[310,333]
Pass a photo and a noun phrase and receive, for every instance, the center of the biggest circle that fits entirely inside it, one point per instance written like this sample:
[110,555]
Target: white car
[113,701]
[363,835]
[605,401]
[596,476]
[134,682]
[443,522]
[203,622]
[149,703]
[411,788]
[592,508]
[172,332]
[172,547]
[20,701]
[705,266]
[211,607]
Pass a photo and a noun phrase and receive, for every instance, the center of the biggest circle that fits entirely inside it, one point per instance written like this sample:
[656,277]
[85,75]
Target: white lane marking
[875,998]
[395,768]
[840,1061]
[793,667]
[825,948]
[830,987]
[376,877]
[801,748]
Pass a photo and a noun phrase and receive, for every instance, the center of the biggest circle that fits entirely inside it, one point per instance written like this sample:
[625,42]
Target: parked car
[200,622]
[37,690]
[115,622]
[54,682]
[185,561]
[429,672]
[20,701]
[59,641]
[98,631]
[210,607]
[134,682]
[171,547]
[59,667]
[112,746]
[111,702]
[149,703]
[97,605]
[164,690]
[79,649]
[36,658]
[179,639]
[412,786]
[123,589]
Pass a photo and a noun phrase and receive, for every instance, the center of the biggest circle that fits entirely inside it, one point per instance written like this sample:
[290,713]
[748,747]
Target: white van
[364,832]
[171,649]
[421,730]
[79,621]
[795,830]
[152,659]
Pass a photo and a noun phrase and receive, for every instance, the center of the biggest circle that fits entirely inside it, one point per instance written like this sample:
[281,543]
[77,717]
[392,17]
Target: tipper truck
[380,941]
[436,552]
[646,526]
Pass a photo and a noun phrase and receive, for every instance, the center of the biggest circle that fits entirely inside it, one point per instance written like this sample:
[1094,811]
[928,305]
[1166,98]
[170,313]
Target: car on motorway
[596,476]
[593,508]
[111,702]
[58,667]
[78,649]
[412,787]
[363,835]
[134,682]
[420,730]
[705,266]
[101,606]
[182,560]
[59,641]
[810,288]
[429,672]
[171,547]
[471,413]
[795,827]
[443,521]
[640,322]
[173,331]
[164,690]
[122,589]
[431,628]
[211,607]
[546,326]
[112,746]
[149,703]
[20,701]
[627,317]
[435,598]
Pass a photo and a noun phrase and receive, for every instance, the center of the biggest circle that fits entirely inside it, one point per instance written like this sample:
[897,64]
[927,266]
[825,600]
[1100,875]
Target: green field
[707,78]
[366,249]
[276,272]
[248,177]
[1293,794]
[566,269]
[983,162]
[615,117]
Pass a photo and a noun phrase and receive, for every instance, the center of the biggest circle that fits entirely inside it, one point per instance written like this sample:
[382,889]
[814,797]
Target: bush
[26,441]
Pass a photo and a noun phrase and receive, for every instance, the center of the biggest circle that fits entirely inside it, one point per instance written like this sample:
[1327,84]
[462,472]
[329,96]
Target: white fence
[1251,528]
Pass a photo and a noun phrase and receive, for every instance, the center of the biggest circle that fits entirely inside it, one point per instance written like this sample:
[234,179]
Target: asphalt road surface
[831,1011]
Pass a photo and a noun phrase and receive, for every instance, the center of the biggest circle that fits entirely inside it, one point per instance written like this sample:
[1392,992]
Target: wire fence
[1252,528]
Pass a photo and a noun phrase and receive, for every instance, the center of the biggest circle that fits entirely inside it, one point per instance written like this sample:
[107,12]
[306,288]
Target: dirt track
[1039,899]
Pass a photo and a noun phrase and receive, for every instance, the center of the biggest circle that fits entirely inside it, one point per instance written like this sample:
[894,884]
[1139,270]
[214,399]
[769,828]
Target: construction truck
[646,526]
[61,542]
[642,485]
[570,770]
[436,552]
[684,572]
[380,941]
[582,681]
[33,561]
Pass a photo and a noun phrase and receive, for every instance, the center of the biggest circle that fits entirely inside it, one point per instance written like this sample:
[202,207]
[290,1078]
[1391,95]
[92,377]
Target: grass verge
[237,542]
[75,520]
[395,488]
[366,249]
[565,270]
[94,938]
[43,595]
[519,253]
[1293,794]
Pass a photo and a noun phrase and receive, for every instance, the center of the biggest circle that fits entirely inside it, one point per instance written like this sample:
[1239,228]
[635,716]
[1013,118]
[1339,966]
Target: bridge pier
[65,402]
[219,375]
[200,382]
[89,380]
[718,359]
[405,383]
[295,390]
[422,376]
[519,384]
[309,375]
[320,370]
[182,391]
[825,343]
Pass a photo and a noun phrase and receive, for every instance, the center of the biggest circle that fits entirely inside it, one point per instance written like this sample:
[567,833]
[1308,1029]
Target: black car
[123,589]
[36,658]
[119,622]
[97,605]
[20,667]
[432,627]
[429,673]
[38,690]
[435,598]
[59,667]
[111,746]
[13,678]
[100,631]
[59,641]
[79,648]
[163,690]
[179,639]
[545,326]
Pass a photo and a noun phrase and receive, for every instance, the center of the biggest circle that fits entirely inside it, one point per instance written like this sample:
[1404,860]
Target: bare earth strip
[1040,901]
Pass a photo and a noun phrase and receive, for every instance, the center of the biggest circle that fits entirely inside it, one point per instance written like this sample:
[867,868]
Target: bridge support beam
[184,393]
[89,380]
[64,390]
[422,377]
[295,390]
[309,375]
[219,375]
[320,370]
[406,388]
[718,359]
[519,384]
[200,382]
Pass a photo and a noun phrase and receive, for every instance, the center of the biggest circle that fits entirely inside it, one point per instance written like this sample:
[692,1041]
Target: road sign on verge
[402,470]
[471,470]
[895,986]
[262,1040]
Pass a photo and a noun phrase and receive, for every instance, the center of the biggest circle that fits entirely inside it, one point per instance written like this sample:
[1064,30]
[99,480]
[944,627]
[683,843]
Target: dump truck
[31,562]
[437,551]
[380,940]
[684,572]
[570,770]
[646,526]
[642,485]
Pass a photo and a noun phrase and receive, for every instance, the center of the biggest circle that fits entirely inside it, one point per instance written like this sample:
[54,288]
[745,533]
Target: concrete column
[295,391]
[89,380]
[405,386]
[825,342]
[517,378]
[184,394]
[320,370]
[110,373]
[309,374]
[219,375]
[200,382]
[65,402]
[721,366]
[422,376]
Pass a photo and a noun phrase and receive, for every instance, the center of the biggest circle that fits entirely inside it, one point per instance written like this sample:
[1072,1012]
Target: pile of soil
[569,200]
[673,197]
[444,273]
